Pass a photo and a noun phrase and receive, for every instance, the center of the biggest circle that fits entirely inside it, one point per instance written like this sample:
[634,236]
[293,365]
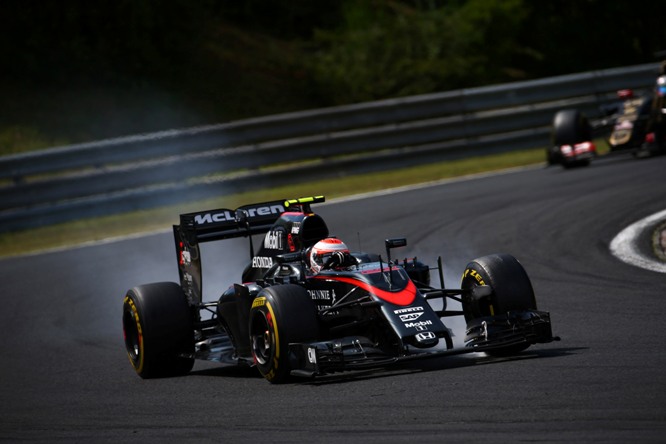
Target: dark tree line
[338,51]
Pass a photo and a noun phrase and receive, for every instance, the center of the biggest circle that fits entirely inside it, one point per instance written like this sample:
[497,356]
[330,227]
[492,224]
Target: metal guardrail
[137,172]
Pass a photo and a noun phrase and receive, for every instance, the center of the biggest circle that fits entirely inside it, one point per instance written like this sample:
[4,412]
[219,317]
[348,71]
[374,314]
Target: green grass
[97,229]
[18,139]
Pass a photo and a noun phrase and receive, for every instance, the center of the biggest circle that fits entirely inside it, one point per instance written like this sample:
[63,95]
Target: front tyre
[158,330]
[511,291]
[280,315]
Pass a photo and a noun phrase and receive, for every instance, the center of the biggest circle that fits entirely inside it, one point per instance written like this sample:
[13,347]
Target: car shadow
[433,364]
[226,371]
[437,364]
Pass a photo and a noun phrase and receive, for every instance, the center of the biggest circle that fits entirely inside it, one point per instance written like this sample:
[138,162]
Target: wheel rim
[475,308]
[263,341]
[132,335]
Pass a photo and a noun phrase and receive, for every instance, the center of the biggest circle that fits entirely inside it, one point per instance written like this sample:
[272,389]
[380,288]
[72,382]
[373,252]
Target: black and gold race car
[307,306]
[636,123]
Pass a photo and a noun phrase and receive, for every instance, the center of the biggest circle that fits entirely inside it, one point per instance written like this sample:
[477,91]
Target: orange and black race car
[636,123]
[307,306]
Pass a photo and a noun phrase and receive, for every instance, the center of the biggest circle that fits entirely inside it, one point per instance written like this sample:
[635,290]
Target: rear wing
[211,225]
[223,223]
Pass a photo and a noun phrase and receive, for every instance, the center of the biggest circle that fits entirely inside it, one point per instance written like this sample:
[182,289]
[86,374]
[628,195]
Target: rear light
[625,93]
[579,148]
[584,147]
[650,138]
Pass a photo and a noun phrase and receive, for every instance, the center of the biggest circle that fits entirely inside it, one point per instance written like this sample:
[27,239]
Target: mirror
[395,242]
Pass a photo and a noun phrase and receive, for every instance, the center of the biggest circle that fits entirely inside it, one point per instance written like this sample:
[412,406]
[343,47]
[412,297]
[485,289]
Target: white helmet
[661,86]
[323,250]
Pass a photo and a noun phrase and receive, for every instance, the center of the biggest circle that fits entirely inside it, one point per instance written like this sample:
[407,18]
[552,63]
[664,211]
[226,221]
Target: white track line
[624,245]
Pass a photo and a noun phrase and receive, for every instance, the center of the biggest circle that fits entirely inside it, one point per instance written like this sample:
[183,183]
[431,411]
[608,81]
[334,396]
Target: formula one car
[636,124]
[307,306]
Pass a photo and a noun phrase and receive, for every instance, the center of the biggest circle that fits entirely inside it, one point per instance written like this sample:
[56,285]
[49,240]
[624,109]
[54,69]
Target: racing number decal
[138,366]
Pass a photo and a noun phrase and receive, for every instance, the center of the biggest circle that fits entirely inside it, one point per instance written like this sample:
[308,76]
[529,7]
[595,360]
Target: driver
[661,86]
[657,120]
[330,253]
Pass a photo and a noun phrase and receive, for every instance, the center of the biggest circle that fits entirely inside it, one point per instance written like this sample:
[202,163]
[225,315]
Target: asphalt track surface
[65,376]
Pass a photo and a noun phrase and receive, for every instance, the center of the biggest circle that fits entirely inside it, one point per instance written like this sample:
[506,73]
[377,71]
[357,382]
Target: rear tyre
[511,291]
[569,128]
[158,330]
[280,315]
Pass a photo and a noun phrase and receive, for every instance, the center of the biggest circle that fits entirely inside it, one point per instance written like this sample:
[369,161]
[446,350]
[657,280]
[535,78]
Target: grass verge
[98,229]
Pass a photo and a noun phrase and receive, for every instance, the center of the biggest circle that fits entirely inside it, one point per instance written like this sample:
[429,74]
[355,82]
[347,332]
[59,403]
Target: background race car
[636,123]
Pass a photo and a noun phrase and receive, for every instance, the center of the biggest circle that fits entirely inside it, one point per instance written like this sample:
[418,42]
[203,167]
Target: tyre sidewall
[290,315]
[163,320]
[511,291]
[511,287]
[570,127]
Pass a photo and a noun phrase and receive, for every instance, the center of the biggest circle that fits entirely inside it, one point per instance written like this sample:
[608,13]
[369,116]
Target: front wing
[358,353]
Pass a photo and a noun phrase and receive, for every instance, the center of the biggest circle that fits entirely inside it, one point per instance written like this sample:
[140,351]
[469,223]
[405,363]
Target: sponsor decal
[475,275]
[138,359]
[296,228]
[262,262]
[322,295]
[425,336]
[187,283]
[185,258]
[273,240]
[410,317]
[408,310]
[209,218]
[312,355]
[418,324]
[229,216]
[624,125]
[264,211]
[259,302]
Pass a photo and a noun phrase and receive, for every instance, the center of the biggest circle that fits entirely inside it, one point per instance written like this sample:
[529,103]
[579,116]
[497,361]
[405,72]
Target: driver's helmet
[661,86]
[323,250]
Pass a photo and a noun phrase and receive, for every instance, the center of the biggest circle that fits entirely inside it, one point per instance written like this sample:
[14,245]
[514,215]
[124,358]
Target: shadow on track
[436,364]
[227,371]
[400,368]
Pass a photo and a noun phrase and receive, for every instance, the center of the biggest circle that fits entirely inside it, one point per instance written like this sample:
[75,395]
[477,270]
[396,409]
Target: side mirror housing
[395,242]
